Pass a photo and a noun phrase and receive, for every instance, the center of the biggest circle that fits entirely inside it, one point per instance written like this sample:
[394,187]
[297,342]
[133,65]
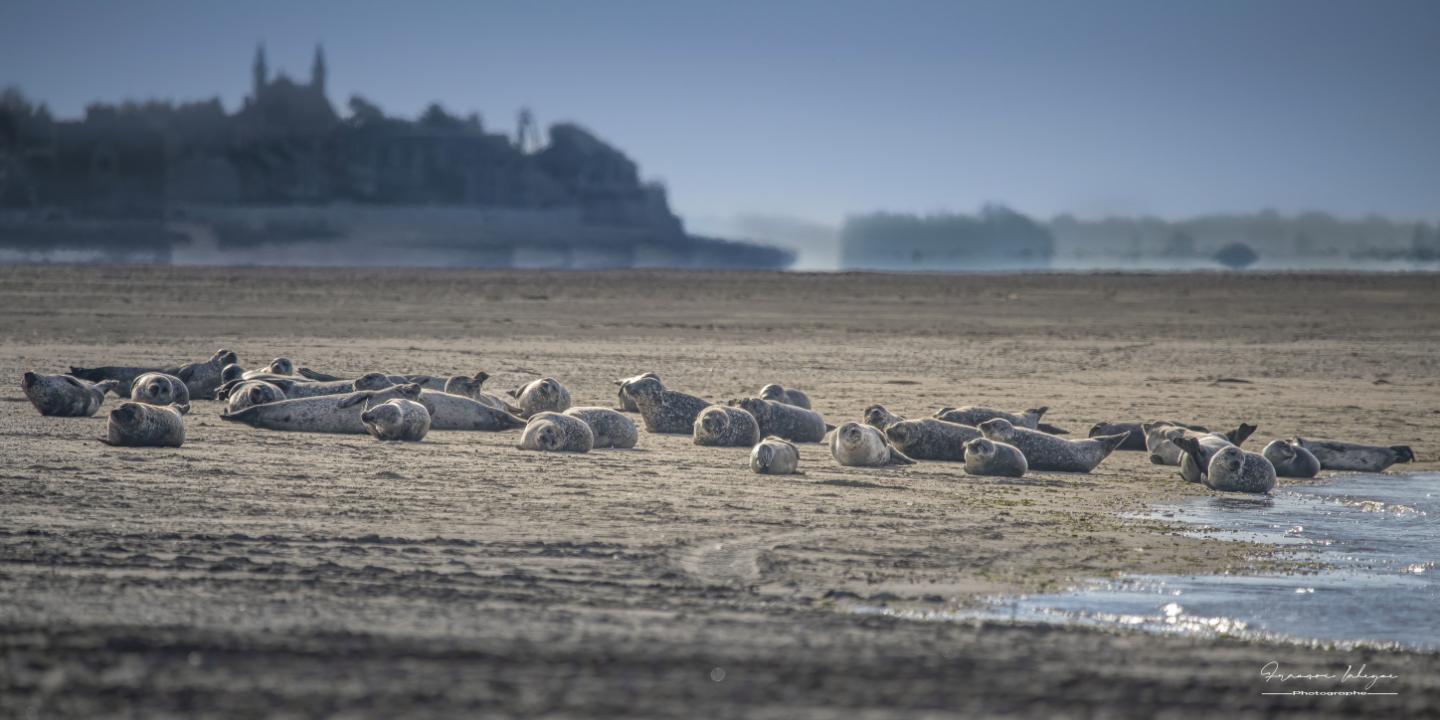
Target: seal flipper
[1403,453]
[899,458]
[1049,429]
[1239,435]
[317,376]
[1191,447]
[354,398]
[105,386]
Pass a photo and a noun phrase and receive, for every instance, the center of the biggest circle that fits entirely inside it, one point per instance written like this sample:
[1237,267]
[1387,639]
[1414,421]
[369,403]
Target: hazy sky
[820,109]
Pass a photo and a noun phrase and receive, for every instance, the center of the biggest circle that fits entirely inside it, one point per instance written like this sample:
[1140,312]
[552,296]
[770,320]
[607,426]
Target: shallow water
[1379,535]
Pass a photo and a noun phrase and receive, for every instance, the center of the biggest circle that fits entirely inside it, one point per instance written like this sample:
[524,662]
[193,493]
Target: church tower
[317,71]
[261,71]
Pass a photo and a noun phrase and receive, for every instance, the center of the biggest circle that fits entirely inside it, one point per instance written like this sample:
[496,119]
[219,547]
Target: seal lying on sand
[203,378]
[930,439]
[282,366]
[161,389]
[1049,453]
[1334,455]
[543,395]
[135,424]
[125,376]
[1136,440]
[229,374]
[1232,469]
[779,394]
[795,424]
[986,457]
[251,392]
[472,387]
[322,414]
[64,395]
[856,445]
[724,426]
[1291,460]
[664,411]
[453,412]
[397,419]
[973,416]
[775,456]
[554,432]
[625,402]
[878,417]
[1160,440]
[610,428]
[1194,466]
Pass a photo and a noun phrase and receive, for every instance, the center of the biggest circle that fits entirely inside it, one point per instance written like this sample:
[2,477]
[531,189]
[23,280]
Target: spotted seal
[320,414]
[725,426]
[1046,452]
[1136,440]
[65,395]
[878,417]
[987,457]
[930,439]
[1335,455]
[775,393]
[136,424]
[543,395]
[775,456]
[161,389]
[1160,440]
[609,426]
[856,445]
[397,419]
[252,392]
[1291,460]
[555,432]
[1234,470]
[625,402]
[664,411]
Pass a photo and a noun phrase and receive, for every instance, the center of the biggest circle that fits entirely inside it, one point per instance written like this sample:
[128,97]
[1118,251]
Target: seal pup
[987,457]
[455,412]
[930,439]
[1160,440]
[554,432]
[397,419]
[775,393]
[775,456]
[321,414]
[1234,470]
[878,417]
[1046,452]
[65,395]
[204,377]
[625,402]
[1291,460]
[1136,441]
[972,415]
[725,426]
[776,419]
[543,395]
[472,387]
[856,445]
[664,411]
[136,424]
[1335,455]
[161,389]
[610,427]
[251,392]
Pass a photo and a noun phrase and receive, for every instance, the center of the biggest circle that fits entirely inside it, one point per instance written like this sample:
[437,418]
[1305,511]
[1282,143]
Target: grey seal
[795,424]
[878,417]
[1291,460]
[987,457]
[610,427]
[161,389]
[724,426]
[65,395]
[1335,455]
[1136,440]
[252,392]
[553,432]
[856,445]
[321,414]
[1046,452]
[543,395]
[775,456]
[664,411]
[1235,470]
[625,402]
[1160,440]
[397,419]
[136,424]
[930,439]
[779,394]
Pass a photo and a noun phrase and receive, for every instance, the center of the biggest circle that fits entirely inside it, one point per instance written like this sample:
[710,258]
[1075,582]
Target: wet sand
[254,572]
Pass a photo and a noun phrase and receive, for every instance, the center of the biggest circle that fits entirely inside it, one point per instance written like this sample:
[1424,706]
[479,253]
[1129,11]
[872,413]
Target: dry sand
[252,572]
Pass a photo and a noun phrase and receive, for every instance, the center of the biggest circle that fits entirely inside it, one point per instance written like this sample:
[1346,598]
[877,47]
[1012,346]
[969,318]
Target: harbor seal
[123,376]
[775,456]
[204,377]
[454,412]
[316,375]
[554,432]
[1194,465]
[1291,460]
[282,366]
[610,427]
[1046,452]
[930,439]
[161,389]
[625,402]
[472,386]
[1136,440]
[1335,455]
[136,424]
[231,373]
[65,395]
[1234,470]
[987,457]
[543,395]
[972,415]
[878,417]
[775,393]
[320,414]
[252,392]
[856,445]
[1160,440]
[776,419]
[664,411]
[725,426]
[397,419]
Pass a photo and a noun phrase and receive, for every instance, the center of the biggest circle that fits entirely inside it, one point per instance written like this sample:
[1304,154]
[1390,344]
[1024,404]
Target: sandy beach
[251,573]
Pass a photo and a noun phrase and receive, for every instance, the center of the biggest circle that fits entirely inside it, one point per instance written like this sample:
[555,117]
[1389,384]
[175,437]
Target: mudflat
[256,573]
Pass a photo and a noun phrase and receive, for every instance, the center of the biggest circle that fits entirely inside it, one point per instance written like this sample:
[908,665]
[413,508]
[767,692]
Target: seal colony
[284,396]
